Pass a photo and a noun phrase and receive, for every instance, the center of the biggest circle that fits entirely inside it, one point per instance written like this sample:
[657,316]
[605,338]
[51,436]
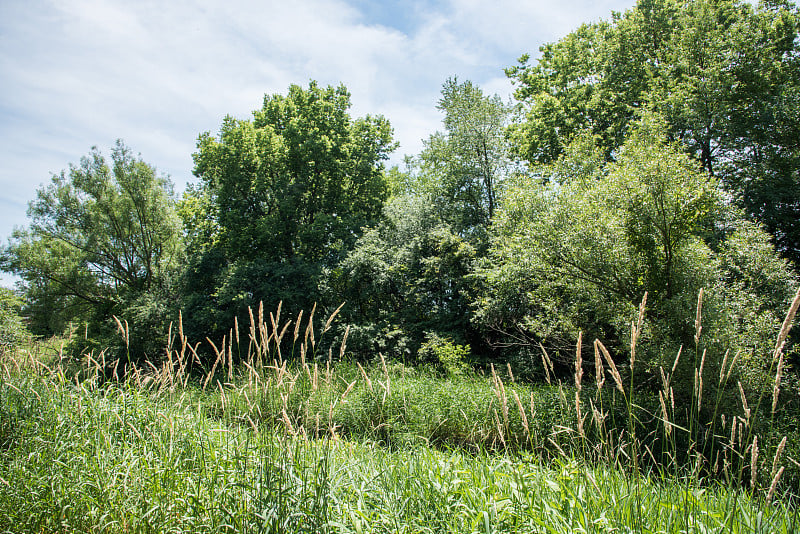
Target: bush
[12,327]
[444,353]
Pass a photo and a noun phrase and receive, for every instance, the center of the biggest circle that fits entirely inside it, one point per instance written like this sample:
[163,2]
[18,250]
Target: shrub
[12,326]
[450,356]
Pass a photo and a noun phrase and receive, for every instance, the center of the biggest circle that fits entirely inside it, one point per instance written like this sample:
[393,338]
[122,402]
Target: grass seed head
[600,376]
[698,326]
[776,389]
[548,365]
[786,326]
[667,426]
[774,484]
[744,402]
[777,457]
[722,367]
[612,366]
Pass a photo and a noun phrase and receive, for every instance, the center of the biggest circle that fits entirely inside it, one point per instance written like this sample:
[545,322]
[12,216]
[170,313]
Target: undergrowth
[87,458]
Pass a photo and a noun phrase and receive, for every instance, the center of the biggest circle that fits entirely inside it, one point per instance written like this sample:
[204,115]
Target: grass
[302,442]
[79,458]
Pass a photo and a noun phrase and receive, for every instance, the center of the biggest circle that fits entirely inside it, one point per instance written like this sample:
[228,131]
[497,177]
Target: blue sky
[79,73]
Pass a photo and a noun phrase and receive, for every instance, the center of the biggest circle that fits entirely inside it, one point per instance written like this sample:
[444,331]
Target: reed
[280,442]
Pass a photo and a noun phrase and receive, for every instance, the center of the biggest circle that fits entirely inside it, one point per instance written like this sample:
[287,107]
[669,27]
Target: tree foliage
[282,197]
[464,166]
[12,326]
[408,277]
[102,235]
[405,278]
[578,251]
[723,74]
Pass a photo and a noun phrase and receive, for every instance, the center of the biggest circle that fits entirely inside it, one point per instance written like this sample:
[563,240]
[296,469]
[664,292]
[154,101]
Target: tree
[759,158]
[464,166]
[723,74]
[578,251]
[282,197]
[102,235]
[406,277]
[558,93]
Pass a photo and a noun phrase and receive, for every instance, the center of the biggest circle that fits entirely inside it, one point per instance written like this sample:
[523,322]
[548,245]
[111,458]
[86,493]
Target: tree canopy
[724,75]
[287,194]
[464,166]
[579,250]
[102,235]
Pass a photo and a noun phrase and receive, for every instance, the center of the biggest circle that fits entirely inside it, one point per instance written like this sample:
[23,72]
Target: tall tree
[723,73]
[102,235]
[558,92]
[466,164]
[283,196]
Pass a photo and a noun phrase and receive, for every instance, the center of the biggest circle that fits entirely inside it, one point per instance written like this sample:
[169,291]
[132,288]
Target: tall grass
[274,434]
[84,458]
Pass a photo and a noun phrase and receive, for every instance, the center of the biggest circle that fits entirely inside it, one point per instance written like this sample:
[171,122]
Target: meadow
[276,436]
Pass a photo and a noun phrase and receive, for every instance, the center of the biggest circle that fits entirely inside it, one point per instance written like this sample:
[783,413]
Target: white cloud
[527,24]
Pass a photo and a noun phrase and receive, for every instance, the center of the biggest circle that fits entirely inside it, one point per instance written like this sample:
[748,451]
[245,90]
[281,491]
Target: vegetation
[463,168]
[12,326]
[291,446]
[104,240]
[723,75]
[282,197]
[606,234]
[638,202]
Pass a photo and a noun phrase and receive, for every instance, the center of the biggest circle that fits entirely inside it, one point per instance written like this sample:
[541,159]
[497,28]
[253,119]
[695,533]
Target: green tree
[558,94]
[282,197]
[102,236]
[579,250]
[464,167]
[759,157]
[406,277]
[409,277]
[723,74]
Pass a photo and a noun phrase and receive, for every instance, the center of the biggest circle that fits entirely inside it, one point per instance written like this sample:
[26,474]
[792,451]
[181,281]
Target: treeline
[653,153]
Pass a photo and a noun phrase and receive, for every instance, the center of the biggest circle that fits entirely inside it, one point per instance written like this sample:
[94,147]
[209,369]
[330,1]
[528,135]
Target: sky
[81,73]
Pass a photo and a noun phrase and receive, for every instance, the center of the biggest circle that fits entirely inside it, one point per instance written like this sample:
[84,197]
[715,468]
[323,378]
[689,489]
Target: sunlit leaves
[464,166]
[101,233]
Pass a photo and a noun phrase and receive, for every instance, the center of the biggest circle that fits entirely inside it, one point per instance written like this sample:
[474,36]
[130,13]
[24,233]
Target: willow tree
[104,240]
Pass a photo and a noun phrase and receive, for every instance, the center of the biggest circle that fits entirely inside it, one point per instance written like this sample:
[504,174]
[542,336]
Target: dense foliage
[409,276]
[12,327]
[579,250]
[104,240]
[406,277]
[282,197]
[725,75]
[652,154]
